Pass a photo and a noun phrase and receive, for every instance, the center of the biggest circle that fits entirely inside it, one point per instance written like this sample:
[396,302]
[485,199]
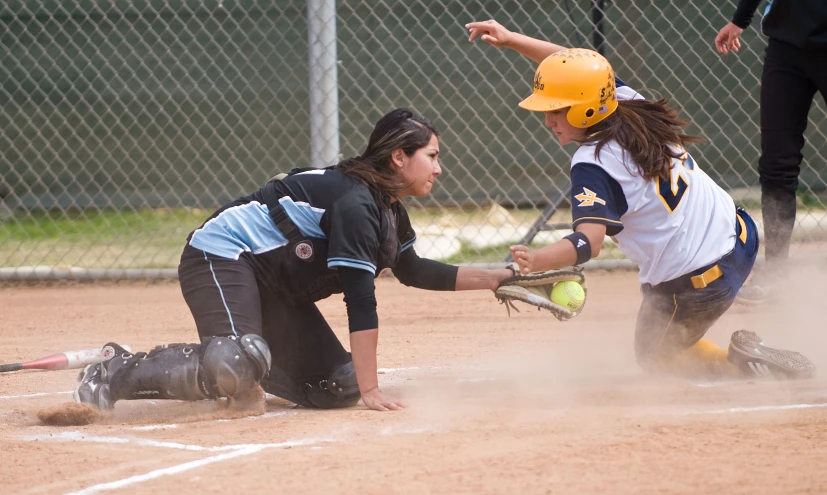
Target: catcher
[632,179]
[252,273]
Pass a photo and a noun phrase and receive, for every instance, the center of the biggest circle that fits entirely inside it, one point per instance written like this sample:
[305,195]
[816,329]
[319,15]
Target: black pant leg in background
[787,91]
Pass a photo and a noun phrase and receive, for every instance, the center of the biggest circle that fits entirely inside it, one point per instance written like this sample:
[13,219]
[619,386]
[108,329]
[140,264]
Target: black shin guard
[279,384]
[338,390]
[219,367]
[172,372]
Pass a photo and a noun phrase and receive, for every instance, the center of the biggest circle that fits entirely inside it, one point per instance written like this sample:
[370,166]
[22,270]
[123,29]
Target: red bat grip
[10,367]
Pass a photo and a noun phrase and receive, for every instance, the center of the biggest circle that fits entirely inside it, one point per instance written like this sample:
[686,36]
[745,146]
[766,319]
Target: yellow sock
[707,351]
[704,359]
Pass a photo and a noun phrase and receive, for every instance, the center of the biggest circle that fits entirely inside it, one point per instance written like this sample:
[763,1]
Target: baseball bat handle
[64,360]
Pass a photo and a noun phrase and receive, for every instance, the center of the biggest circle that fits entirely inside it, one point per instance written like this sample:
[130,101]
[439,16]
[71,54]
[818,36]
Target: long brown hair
[650,131]
[399,129]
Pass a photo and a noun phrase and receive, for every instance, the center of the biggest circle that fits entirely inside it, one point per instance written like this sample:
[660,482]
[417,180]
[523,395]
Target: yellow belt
[714,273]
[707,277]
[743,235]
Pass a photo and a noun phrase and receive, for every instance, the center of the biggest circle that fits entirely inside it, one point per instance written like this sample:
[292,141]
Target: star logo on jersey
[588,198]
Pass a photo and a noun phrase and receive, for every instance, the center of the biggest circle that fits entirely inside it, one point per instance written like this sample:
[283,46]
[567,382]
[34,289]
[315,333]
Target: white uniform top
[668,229]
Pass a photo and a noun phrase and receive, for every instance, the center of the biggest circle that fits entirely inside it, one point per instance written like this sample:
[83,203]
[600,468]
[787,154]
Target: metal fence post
[324,83]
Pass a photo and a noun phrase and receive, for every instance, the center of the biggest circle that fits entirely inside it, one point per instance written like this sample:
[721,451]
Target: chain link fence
[124,123]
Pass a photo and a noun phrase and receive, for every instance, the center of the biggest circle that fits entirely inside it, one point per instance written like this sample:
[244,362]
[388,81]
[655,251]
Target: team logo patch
[588,198]
[538,82]
[304,250]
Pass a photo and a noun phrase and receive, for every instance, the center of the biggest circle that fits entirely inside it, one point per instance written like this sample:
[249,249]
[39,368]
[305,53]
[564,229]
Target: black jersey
[298,230]
[801,23]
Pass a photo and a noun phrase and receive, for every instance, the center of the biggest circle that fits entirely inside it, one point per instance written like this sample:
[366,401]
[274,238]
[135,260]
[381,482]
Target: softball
[569,294]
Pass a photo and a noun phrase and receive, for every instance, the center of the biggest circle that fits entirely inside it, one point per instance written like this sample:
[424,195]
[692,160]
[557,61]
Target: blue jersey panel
[239,229]
[305,217]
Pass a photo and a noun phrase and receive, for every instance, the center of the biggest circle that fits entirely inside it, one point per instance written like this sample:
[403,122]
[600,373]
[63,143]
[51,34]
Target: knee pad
[236,364]
[340,389]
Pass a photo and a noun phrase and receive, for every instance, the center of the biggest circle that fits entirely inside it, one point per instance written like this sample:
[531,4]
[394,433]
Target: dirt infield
[524,404]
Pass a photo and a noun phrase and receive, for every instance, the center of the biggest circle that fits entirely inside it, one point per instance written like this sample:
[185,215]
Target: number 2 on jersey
[671,192]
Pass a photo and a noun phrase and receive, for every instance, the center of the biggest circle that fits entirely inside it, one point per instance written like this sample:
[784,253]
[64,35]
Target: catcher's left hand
[535,289]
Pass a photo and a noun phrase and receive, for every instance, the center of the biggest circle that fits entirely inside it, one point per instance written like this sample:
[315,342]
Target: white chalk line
[230,452]
[261,416]
[783,407]
[76,436]
[41,394]
[154,427]
[403,430]
[239,451]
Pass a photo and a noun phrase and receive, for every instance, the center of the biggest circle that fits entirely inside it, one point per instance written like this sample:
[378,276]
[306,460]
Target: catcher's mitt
[535,289]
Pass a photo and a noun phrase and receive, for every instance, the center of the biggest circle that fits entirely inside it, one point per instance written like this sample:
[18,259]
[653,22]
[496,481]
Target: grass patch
[103,224]
[144,238]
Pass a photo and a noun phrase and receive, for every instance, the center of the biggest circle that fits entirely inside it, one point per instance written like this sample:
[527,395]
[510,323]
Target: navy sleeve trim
[613,227]
[596,197]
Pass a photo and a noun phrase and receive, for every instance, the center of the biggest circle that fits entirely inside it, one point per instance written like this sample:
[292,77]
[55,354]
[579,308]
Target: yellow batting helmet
[577,78]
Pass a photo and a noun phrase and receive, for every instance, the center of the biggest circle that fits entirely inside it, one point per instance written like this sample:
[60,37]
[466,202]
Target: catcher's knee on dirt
[222,367]
[235,365]
[339,389]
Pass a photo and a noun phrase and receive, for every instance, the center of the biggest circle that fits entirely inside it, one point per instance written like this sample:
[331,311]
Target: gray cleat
[94,386]
[92,389]
[752,294]
[751,356]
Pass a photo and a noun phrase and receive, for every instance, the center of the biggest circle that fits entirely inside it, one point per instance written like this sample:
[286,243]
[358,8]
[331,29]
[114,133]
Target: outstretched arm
[427,274]
[560,254]
[493,33]
[480,278]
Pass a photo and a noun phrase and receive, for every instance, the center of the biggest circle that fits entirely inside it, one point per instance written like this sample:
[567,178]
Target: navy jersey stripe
[596,197]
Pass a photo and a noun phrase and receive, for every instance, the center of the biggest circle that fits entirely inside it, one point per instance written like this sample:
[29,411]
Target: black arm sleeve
[744,12]
[360,298]
[423,273]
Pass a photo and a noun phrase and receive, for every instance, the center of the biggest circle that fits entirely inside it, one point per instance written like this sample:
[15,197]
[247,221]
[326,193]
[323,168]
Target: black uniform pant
[789,81]
[226,298]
